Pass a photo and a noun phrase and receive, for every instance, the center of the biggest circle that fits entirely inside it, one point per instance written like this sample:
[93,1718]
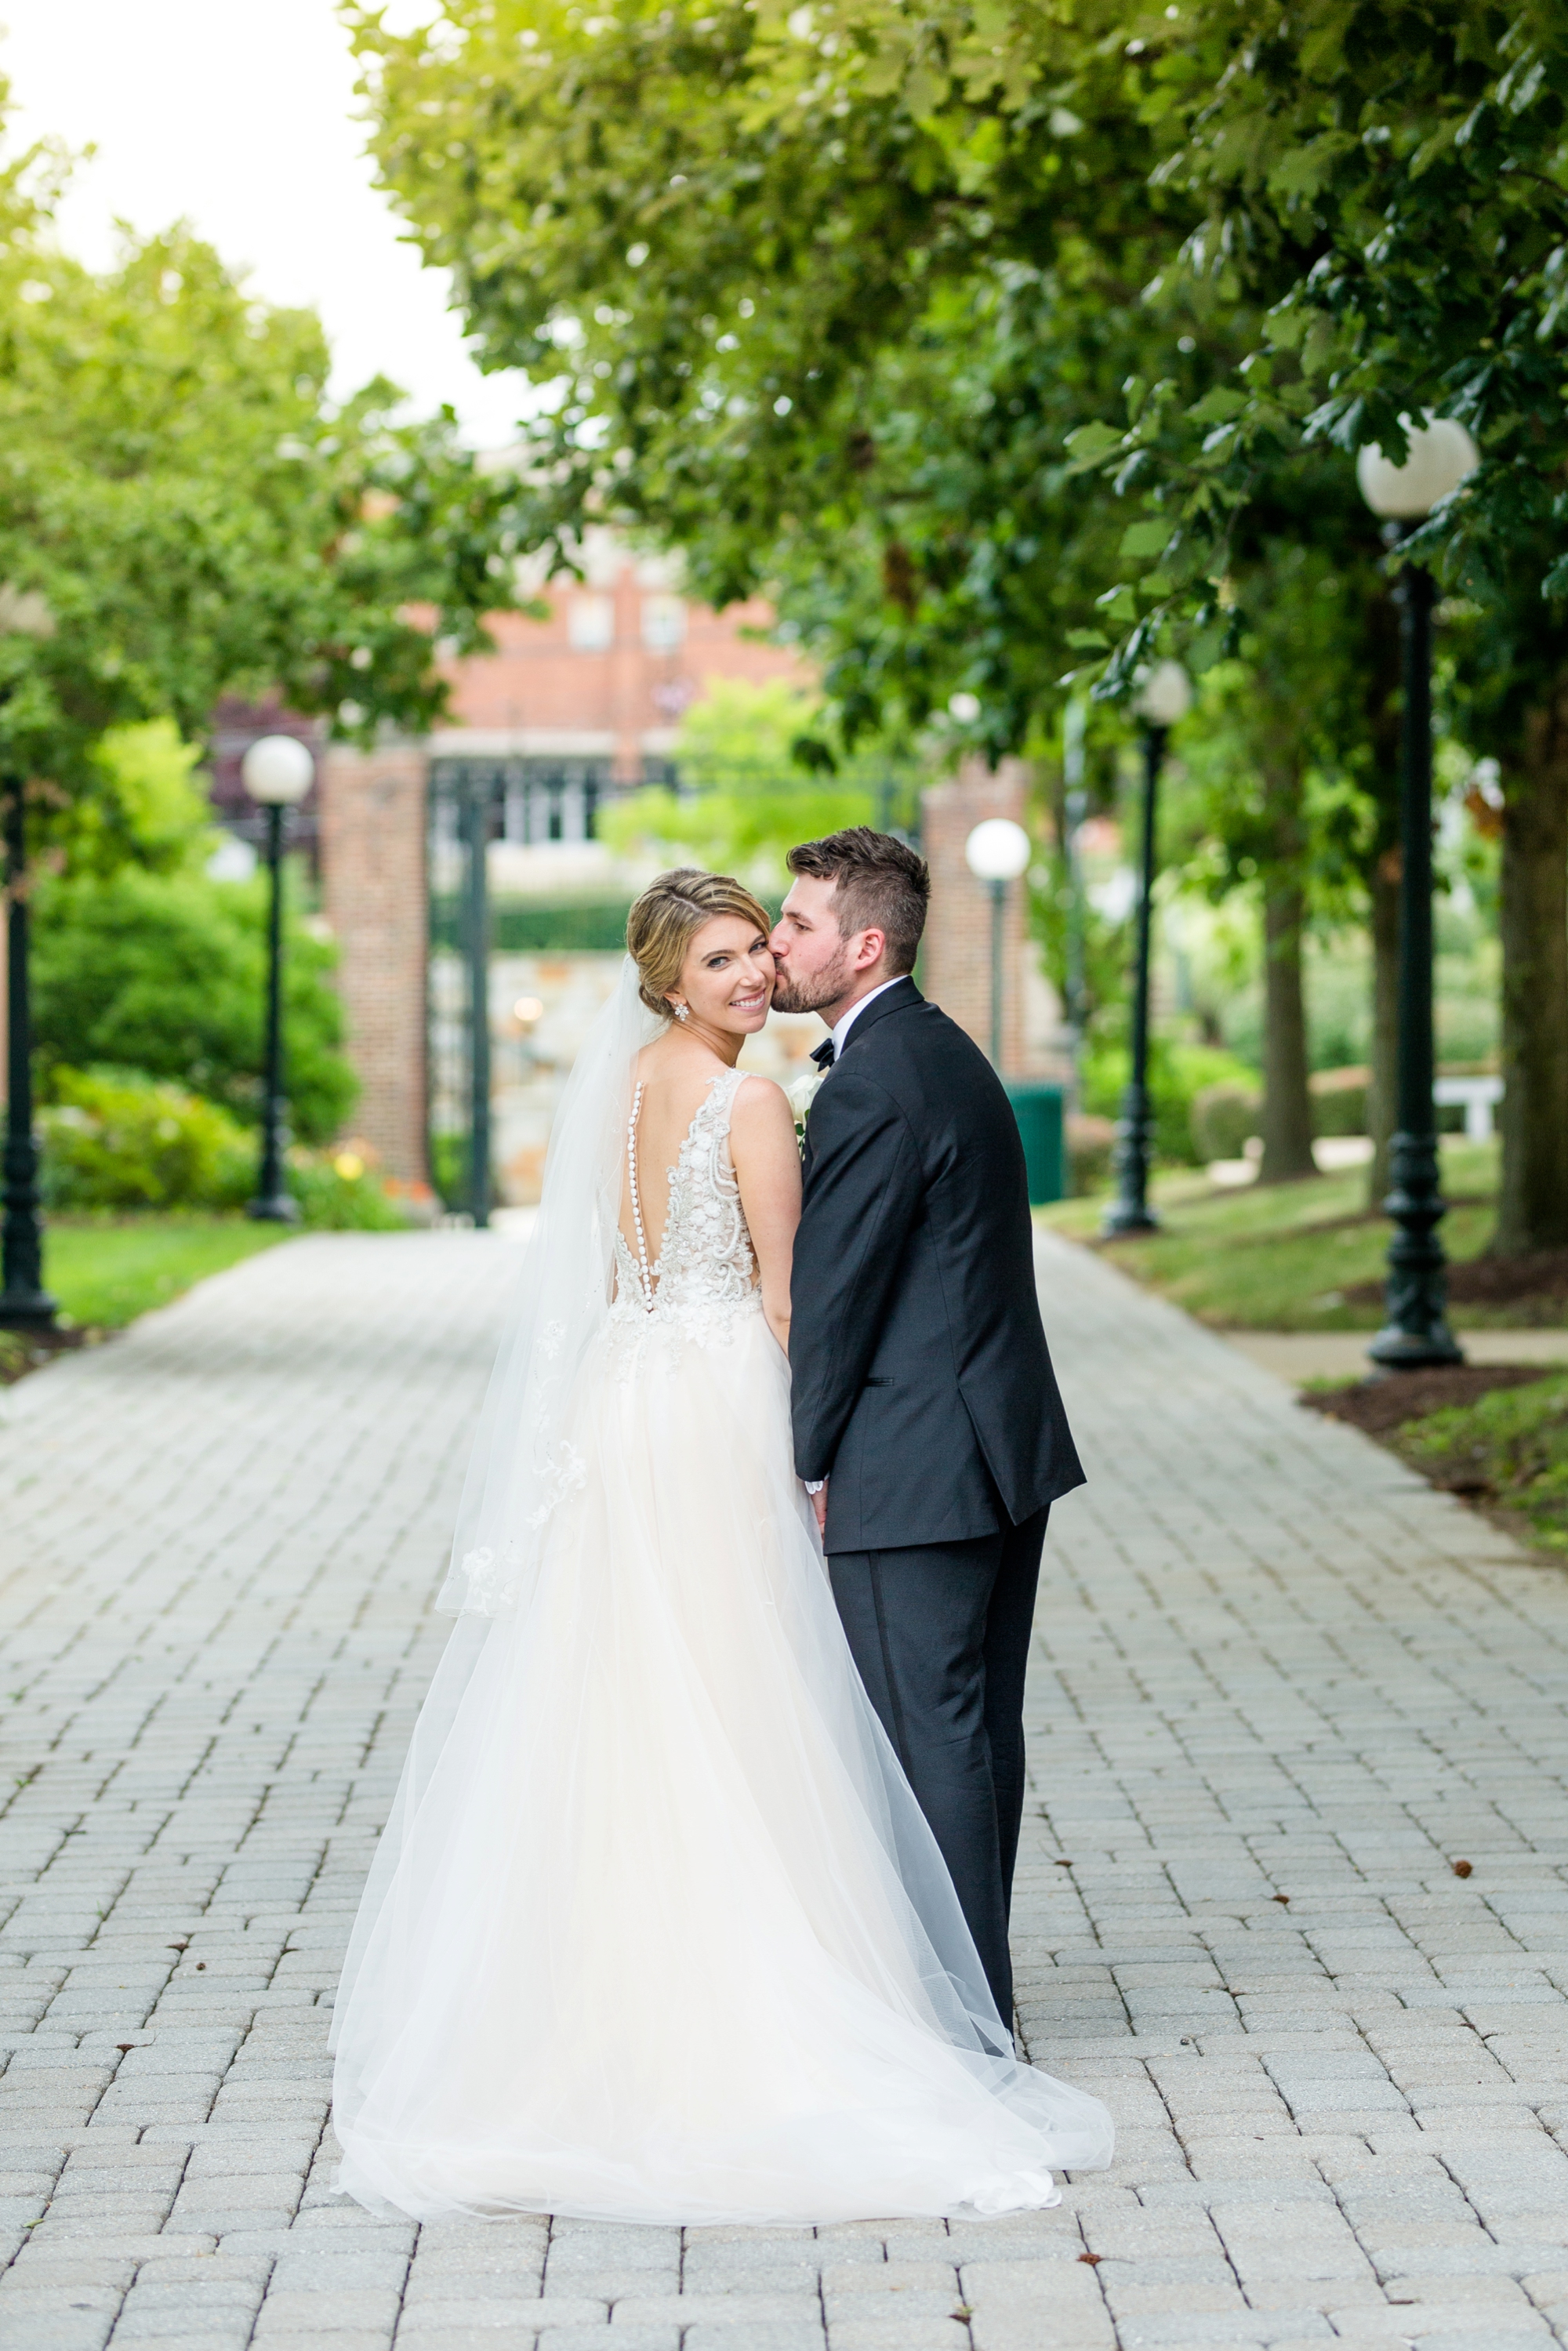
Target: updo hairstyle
[667,918]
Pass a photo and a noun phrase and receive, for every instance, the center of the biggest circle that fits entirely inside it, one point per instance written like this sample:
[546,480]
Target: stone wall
[956,968]
[373,837]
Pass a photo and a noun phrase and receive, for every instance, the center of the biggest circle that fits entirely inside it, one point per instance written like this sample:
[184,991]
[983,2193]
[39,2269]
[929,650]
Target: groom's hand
[820,1504]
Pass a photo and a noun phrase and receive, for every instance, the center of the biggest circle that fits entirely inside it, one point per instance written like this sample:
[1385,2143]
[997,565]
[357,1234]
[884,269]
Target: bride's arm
[767,1167]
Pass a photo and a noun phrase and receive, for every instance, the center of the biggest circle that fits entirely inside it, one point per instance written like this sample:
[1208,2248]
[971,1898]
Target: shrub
[1091,1143]
[166,974]
[1177,1074]
[115,1139]
[1339,1101]
[1223,1118]
[339,1191]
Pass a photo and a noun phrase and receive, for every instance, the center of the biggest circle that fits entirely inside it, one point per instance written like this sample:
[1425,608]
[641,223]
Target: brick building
[589,700]
[566,711]
[372,851]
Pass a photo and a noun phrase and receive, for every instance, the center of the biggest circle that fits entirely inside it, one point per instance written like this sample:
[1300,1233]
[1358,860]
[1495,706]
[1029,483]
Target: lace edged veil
[522,1463]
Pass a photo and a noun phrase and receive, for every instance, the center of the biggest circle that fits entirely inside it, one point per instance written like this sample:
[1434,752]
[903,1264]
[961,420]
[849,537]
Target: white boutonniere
[800,1096]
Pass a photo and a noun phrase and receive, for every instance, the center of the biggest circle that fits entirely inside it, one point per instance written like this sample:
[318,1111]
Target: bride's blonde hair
[668,915]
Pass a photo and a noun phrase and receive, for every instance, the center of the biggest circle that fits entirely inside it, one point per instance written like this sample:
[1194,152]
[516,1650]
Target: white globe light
[277,770]
[1441,454]
[1165,697]
[963,707]
[998,851]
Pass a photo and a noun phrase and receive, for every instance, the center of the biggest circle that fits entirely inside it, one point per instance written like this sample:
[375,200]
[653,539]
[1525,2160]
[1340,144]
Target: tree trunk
[1532,1203]
[1382,1090]
[1287,1104]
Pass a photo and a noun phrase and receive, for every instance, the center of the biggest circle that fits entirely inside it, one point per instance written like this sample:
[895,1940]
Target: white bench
[1479,1097]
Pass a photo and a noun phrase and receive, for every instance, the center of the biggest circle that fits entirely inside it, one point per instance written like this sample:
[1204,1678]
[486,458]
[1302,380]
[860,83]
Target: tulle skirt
[656,1931]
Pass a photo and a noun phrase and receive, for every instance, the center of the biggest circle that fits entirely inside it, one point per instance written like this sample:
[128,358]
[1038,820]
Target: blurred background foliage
[760,768]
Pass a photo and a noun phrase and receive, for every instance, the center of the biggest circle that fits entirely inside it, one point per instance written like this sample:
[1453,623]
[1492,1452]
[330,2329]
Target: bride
[656,1931]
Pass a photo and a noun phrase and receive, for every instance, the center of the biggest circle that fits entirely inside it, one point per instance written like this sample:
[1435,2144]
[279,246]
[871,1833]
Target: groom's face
[814,962]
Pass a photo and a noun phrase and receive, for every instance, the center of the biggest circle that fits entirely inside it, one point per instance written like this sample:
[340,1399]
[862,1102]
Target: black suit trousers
[940,1635]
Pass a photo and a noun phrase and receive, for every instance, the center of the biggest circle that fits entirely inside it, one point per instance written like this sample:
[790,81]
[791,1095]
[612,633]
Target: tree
[200,518]
[1398,178]
[713,230]
[653,211]
[743,797]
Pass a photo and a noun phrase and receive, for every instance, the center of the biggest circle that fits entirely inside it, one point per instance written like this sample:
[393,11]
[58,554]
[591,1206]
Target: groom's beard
[810,994]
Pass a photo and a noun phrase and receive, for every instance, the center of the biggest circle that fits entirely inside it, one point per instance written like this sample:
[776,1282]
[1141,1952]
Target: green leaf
[1144,539]
[1218,404]
[1092,441]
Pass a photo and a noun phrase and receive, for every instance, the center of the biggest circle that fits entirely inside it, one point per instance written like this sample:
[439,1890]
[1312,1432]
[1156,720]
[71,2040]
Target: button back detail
[705,1271]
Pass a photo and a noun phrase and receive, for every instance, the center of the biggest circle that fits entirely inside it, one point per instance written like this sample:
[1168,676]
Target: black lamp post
[477,946]
[278,771]
[24,1303]
[1165,697]
[1416,1332]
[995,853]
[1075,810]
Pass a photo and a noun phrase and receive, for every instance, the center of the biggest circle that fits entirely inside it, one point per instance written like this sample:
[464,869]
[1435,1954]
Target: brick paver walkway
[1282,1687]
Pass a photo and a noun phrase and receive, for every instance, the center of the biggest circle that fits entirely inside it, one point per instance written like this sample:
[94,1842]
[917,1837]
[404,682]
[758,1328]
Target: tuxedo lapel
[900,997]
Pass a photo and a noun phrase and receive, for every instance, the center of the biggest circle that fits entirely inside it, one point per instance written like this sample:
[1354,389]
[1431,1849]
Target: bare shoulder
[760,1103]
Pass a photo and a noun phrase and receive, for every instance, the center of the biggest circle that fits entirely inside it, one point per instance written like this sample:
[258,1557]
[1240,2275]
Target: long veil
[522,1463]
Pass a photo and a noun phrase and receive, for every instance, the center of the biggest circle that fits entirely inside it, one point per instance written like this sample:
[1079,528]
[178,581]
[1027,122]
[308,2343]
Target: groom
[928,1428]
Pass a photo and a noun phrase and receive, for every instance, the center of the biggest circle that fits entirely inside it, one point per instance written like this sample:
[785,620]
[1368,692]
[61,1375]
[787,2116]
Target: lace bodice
[705,1271]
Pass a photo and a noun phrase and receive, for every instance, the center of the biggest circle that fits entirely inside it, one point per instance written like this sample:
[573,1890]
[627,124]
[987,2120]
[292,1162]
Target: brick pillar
[955,966]
[372,820]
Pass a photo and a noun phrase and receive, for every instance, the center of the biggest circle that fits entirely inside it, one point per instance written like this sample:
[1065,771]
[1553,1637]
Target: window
[664,623]
[590,623]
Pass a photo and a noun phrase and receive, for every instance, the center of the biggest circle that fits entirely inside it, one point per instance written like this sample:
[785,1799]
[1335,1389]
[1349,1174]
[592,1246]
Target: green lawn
[107,1273]
[1511,1448]
[1282,1258]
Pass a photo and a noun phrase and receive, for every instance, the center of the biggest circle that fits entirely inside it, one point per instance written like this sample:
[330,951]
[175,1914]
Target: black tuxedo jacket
[922,1383]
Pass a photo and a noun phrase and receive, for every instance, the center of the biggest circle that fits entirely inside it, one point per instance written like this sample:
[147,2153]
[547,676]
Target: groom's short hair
[879,883]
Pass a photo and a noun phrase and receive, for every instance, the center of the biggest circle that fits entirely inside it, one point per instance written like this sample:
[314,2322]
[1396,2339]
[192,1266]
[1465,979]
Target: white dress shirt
[843,1026]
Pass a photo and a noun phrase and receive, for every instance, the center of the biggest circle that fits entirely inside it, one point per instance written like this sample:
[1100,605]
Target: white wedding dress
[657,1932]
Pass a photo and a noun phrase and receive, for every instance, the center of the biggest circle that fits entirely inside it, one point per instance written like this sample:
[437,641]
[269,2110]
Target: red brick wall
[372,820]
[956,968]
[612,698]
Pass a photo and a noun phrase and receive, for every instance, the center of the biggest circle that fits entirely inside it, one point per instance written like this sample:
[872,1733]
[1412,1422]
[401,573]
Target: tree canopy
[184,512]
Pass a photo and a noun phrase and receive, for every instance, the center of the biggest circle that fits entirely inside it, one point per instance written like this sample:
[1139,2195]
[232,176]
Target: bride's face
[726,979]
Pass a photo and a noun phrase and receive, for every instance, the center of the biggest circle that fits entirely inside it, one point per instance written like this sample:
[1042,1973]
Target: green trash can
[1040,1112]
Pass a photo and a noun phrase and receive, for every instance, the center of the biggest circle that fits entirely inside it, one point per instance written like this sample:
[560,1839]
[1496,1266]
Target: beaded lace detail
[705,1271]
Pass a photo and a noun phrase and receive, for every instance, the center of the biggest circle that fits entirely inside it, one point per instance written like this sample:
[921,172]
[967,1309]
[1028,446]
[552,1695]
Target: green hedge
[544,926]
[116,1139]
[1177,1074]
[1223,1118]
[551,926]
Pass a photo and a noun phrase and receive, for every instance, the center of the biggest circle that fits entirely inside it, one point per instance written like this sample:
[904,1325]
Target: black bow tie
[824,1055]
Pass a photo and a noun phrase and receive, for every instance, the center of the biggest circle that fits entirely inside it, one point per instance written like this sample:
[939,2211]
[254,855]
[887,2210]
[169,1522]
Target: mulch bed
[22,1351]
[1381,1405]
[1536,1287]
